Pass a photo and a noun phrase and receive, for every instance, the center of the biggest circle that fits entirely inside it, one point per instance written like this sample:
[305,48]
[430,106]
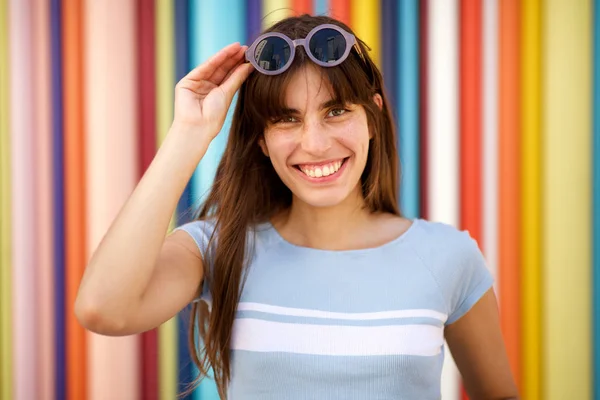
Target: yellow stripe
[165,85]
[567,199]
[5,245]
[531,199]
[366,21]
[275,10]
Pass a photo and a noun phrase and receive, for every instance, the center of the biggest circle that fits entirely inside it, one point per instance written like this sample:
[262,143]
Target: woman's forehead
[308,87]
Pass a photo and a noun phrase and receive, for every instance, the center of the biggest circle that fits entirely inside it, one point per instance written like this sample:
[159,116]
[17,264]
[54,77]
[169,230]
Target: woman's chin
[323,198]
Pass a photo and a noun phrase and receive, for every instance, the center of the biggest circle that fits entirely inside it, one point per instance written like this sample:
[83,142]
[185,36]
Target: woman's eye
[286,120]
[336,112]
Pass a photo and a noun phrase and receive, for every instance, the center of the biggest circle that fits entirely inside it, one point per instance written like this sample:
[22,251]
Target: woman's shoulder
[457,264]
[441,235]
[441,245]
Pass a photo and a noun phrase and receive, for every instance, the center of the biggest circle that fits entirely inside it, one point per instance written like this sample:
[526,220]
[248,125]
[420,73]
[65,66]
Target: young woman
[306,280]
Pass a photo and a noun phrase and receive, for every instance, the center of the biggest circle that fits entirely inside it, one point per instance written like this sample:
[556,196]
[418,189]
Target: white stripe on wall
[443,137]
[301,312]
[490,136]
[268,336]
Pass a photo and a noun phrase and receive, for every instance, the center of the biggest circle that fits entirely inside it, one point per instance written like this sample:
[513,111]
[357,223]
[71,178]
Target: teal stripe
[408,105]
[290,319]
[214,25]
[321,7]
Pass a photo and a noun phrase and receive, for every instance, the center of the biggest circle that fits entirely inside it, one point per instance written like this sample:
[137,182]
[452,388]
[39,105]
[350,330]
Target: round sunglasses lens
[272,53]
[327,45]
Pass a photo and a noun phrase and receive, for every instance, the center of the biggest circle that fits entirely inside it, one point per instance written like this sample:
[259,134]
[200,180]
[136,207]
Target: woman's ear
[263,146]
[378,100]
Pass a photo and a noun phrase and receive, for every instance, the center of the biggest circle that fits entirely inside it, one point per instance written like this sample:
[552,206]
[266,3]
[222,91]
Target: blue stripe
[336,321]
[58,201]
[596,196]
[408,104]
[182,66]
[186,371]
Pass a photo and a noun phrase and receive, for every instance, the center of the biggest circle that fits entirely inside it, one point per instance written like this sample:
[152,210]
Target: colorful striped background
[496,103]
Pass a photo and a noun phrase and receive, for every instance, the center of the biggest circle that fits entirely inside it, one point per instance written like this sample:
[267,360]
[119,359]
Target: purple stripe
[58,201]
[253,20]
[389,50]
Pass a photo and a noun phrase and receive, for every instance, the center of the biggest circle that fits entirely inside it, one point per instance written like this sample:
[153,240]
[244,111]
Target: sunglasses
[326,45]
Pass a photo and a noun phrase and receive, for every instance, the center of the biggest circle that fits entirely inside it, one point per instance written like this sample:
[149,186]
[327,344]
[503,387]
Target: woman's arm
[477,346]
[136,279]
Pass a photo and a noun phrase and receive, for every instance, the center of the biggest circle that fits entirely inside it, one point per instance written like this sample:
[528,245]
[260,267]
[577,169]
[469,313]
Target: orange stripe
[302,7]
[340,10]
[508,205]
[72,36]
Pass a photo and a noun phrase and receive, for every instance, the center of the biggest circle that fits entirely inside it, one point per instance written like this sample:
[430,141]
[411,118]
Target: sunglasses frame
[350,42]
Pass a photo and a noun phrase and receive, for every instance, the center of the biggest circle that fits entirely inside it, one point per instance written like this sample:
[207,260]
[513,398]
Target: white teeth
[326,170]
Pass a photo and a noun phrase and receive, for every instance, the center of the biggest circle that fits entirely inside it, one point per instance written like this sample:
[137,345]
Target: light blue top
[357,324]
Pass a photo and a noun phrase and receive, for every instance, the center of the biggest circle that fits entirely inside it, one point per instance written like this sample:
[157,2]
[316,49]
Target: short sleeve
[467,276]
[201,232]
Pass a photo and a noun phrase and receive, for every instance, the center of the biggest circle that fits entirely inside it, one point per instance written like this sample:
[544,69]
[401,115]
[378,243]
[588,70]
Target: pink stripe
[24,240]
[43,207]
[111,128]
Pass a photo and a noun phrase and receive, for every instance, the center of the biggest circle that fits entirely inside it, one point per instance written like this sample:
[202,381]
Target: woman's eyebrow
[330,103]
[289,111]
[327,104]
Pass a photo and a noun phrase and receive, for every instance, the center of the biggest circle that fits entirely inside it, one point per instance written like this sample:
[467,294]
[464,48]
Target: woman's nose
[315,138]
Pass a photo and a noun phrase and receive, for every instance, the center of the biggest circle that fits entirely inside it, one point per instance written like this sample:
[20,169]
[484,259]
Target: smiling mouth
[322,170]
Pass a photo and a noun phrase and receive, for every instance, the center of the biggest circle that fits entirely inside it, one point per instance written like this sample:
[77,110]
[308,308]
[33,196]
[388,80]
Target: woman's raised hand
[204,95]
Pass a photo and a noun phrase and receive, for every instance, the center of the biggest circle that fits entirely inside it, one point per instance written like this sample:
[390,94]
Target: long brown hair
[248,191]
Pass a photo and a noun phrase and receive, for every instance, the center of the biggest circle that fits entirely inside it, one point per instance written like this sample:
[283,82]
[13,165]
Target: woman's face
[318,148]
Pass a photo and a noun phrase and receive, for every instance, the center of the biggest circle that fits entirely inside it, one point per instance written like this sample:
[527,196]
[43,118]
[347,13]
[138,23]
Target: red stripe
[147,146]
[470,122]
[340,10]
[470,118]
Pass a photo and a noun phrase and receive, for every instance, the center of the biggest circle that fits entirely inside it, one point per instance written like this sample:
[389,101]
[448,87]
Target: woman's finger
[232,70]
[227,67]
[207,68]
[235,80]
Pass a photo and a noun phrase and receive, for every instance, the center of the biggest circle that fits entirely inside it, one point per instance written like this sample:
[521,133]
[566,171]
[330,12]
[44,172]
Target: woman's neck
[328,228]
